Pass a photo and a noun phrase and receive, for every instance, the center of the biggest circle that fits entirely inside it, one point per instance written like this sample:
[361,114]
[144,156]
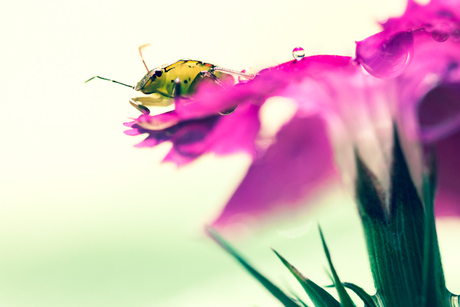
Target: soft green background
[88,220]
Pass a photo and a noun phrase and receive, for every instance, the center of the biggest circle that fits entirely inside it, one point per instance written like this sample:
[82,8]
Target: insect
[167,84]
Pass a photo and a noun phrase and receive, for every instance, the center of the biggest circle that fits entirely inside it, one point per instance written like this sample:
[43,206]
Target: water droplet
[439,36]
[386,57]
[298,53]
[228,111]
[263,71]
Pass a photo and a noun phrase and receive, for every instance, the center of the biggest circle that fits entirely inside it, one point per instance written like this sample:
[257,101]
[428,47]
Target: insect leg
[154,100]
[177,90]
[144,110]
[234,72]
[212,76]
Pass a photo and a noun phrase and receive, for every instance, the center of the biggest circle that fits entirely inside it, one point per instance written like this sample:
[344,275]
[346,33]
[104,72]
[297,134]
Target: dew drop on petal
[386,57]
[298,53]
[263,71]
[228,111]
[439,36]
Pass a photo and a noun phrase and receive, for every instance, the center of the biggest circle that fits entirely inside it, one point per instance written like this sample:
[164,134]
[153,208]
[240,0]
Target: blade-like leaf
[319,296]
[274,290]
[369,193]
[345,299]
[294,294]
[434,291]
[300,300]
[394,236]
[429,265]
[366,298]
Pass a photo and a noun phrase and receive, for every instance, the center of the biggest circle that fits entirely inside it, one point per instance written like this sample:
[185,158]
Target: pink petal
[385,56]
[291,169]
[448,197]
[428,92]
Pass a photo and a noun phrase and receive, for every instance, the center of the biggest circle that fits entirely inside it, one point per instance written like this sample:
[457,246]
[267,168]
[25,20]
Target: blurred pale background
[86,219]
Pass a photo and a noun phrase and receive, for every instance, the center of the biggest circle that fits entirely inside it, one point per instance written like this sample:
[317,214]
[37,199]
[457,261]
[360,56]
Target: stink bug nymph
[168,83]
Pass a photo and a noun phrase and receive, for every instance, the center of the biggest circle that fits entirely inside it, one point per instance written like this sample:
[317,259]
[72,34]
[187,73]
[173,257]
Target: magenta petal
[439,18]
[148,142]
[220,135]
[429,90]
[195,128]
[212,134]
[129,124]
[448,157]
[132,132]
[439,112]
[292,168]
[386,57]
[190,140]
[158,122]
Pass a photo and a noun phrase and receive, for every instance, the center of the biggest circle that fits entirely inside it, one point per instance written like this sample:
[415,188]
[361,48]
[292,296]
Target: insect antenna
[108,80]
[140,53]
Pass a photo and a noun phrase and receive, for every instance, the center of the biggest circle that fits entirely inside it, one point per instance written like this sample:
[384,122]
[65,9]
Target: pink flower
[428,86]
[413,67]
[284,171]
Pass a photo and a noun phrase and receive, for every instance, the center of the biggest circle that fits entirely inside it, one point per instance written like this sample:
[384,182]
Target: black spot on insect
[185,81]
[189,66]
[172,81]
[152,78]
[158,73]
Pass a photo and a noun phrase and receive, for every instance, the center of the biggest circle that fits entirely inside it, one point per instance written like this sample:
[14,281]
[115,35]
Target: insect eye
[158,73]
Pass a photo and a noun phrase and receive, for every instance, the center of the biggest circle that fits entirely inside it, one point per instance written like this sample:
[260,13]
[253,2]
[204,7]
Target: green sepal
[319,296]
[394,236]
[434,291]
[345,299]
[369,193]
[366,298]
[274,290]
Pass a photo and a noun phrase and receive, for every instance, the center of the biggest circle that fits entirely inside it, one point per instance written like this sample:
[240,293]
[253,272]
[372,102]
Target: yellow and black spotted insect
[165,84]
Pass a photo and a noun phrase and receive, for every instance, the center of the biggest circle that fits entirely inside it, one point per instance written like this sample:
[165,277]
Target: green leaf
[366,298]
[394,237]
[345,299]
[294,294]
[300,300]
[369,193]
[319,296]
[434,291]
[274,290]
